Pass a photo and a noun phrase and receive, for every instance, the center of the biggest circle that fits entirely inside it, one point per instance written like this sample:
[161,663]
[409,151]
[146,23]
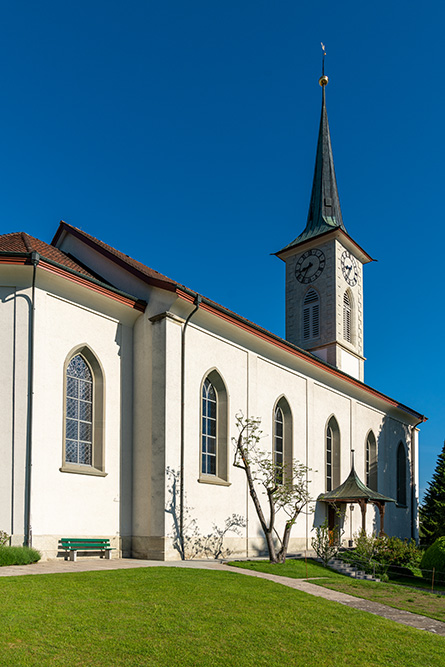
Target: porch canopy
[354,491]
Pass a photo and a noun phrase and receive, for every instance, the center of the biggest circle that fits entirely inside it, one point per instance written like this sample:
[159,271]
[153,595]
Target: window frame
[371,462]
[311,316]
[282,404]
[401,475]
[97,467]
[347,316]
[221,476]
[332,445]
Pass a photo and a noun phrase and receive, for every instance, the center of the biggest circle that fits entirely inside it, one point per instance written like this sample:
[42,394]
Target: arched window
[311,315]
[278,441]
[332,455]
[347,317]
[282,440]
[84,414]
[213,429]
[401,474]
[371,462]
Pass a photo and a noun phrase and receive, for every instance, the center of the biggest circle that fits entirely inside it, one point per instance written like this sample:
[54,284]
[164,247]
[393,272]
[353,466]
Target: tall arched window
[347,317]
[371,462]
[79,412]
[311,315]
[332,455]
[401,474]
[209,423]
[84,413]
[278,441]
[282,440]
[214,434]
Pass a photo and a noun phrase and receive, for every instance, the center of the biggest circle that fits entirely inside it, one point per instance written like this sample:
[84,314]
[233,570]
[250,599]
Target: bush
[396,552]
[326,542]
[434,557]
[18,556]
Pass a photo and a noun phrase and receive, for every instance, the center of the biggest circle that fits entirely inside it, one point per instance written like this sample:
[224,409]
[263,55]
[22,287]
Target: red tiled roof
[22,242]
[138,267]
[120,256]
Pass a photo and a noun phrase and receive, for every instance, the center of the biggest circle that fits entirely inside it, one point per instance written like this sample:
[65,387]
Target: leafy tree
[286,487]
[432,511]
[325,543]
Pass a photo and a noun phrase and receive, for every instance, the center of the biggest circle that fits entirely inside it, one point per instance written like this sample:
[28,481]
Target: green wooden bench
[72,545]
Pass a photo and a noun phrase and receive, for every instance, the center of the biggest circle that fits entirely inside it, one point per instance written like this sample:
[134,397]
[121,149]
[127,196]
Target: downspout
[413,435]
[196,302]
[35,258]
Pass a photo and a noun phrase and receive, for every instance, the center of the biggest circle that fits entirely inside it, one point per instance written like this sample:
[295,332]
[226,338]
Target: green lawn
[168,616]
[400,597]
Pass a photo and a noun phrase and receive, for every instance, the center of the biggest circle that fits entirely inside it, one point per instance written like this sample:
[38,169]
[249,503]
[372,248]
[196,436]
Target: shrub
[434,557]
[326,542]
[4,538]
[18,555]
[396,552]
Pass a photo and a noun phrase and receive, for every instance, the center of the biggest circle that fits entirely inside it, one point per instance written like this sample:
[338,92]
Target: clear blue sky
[184,134]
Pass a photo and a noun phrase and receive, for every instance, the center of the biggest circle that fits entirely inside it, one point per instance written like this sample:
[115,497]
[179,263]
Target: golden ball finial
[323,80]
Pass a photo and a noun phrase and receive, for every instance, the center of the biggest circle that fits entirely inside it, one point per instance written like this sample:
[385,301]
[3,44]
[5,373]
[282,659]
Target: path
[90,565]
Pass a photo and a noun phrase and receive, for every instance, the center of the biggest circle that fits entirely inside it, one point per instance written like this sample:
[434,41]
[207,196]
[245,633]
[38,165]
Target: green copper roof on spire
[324,208]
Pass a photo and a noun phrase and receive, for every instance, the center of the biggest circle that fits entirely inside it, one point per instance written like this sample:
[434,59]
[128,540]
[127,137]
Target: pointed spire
[324,208]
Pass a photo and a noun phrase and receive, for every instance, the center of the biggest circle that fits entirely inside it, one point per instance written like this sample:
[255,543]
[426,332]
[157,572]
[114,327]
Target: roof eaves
[105,286]
[308,356]
[162,281]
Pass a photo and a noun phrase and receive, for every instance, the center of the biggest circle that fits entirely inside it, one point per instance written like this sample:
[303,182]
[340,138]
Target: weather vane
[323,80]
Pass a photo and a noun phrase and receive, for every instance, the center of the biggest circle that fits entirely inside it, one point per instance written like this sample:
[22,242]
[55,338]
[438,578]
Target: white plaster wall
[71,504]
[7,364]
[254,383]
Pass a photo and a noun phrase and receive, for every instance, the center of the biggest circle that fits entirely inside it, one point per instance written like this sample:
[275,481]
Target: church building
[120,391]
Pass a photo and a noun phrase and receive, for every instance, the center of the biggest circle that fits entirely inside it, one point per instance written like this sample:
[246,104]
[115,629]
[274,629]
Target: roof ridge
[25,239]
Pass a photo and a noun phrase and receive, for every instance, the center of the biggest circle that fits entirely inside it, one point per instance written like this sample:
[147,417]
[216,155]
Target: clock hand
[306,268]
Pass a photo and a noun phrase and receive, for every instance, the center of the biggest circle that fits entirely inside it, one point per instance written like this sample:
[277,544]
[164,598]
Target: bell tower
[324,271]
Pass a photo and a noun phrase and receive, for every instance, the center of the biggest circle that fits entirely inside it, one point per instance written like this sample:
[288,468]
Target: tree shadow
[193,544]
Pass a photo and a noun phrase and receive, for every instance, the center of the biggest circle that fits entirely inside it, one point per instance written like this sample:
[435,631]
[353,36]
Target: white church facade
[120,390]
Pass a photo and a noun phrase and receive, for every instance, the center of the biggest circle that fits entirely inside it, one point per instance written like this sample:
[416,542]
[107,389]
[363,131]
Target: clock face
[349,268]
[310,266]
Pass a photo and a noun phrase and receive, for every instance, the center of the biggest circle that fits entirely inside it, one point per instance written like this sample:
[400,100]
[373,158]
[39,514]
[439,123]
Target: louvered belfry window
[79,412]
[347,317]
[311,315]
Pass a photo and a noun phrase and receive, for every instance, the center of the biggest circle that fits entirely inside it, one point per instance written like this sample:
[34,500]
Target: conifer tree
[432,511]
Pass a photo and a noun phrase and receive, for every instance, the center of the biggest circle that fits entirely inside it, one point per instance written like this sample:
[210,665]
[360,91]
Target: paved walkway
[90,565]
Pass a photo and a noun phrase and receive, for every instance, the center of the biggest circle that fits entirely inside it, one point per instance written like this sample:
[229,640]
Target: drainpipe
[196,303]
[35,258]
[413,435]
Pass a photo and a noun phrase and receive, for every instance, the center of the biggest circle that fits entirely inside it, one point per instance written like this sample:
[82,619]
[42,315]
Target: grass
[293,567]
[18,555]
[394,595]
[165,616]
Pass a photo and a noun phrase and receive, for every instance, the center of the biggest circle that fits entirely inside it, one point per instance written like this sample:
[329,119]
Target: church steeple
[324,271]
[324,208]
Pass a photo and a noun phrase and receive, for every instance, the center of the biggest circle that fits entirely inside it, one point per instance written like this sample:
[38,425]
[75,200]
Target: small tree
[326,542]
[285,486]
[432,511]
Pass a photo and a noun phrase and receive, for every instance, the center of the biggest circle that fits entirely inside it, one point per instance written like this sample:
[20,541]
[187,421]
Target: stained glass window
[209,425]
[79,412]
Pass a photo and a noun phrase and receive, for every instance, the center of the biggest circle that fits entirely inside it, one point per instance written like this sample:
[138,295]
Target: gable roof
[158,279]
[18,248]
[141,270]
[21,242]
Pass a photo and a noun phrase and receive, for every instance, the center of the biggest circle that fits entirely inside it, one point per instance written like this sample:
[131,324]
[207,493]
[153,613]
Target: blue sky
[184,134]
